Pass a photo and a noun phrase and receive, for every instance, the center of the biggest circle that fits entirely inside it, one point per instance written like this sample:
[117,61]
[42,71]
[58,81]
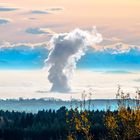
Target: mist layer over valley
[34,84]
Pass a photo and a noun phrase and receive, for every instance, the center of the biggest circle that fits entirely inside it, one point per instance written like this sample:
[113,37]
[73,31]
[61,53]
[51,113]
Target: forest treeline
[45,125]
[55,125]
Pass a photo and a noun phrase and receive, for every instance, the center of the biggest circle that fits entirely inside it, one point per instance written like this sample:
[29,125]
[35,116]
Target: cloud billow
[39,31]
[55,9]
[39,12]
[47,11]
[4,21]
[7,9]
[66,50]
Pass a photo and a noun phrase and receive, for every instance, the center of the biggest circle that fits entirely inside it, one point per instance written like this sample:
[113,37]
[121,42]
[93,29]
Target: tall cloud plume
[66,50]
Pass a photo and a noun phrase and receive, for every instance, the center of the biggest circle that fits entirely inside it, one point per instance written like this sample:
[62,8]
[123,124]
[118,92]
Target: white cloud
[40,31]
[40,12]
[116,48]
[7,9]
[55,9]
[4,21]
[47,11]
[7,45]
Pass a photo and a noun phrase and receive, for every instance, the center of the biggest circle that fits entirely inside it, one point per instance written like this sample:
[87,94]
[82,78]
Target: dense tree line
[47,125]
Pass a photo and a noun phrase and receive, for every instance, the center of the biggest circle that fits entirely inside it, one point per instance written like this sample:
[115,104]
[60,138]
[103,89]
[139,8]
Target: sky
[26,26]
